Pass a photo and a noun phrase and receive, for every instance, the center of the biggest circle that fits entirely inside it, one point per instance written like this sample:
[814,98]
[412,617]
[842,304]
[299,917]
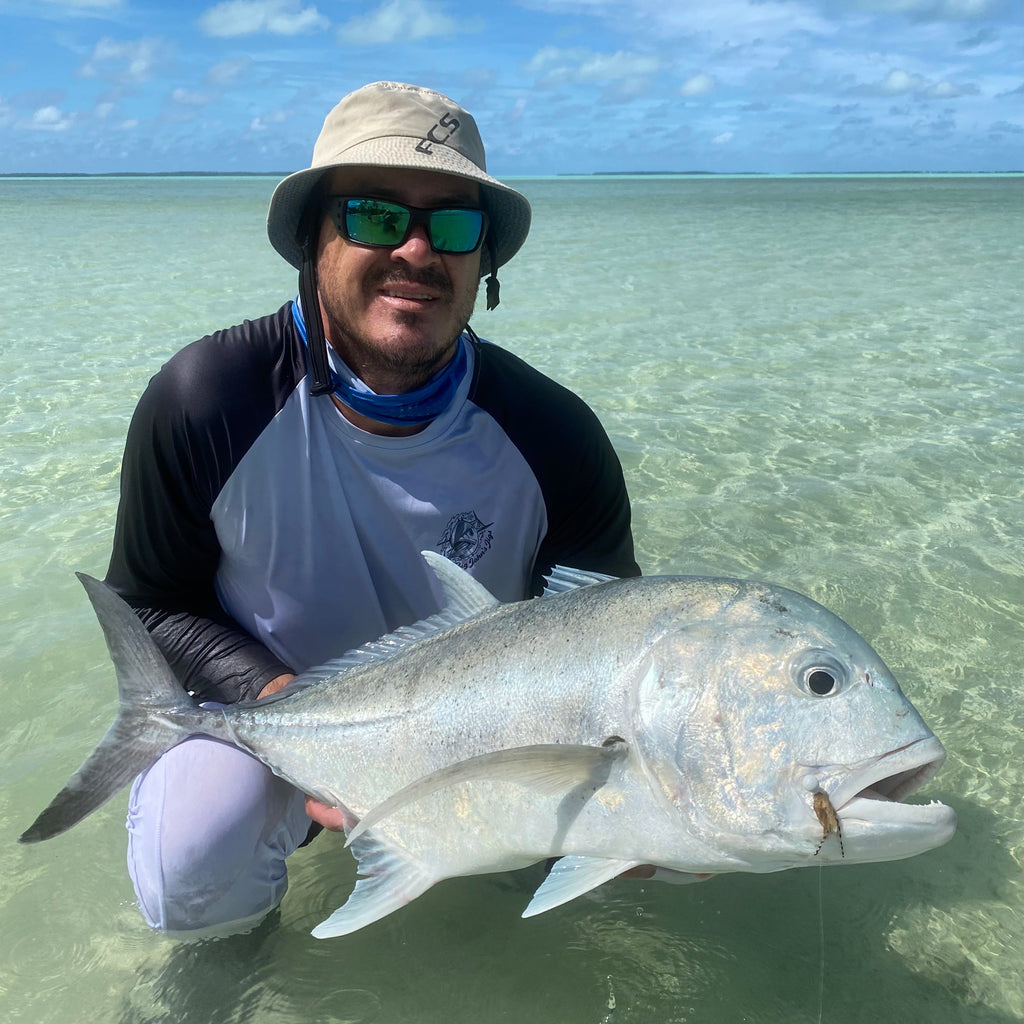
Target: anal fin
[573,876]
[391,878]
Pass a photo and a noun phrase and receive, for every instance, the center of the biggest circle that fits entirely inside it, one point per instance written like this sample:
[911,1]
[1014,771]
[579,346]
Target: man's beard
[406,367]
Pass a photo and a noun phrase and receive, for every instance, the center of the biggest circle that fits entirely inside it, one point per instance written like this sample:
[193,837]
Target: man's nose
[416,247]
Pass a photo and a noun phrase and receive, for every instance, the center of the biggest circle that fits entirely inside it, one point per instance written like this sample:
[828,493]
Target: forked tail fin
[153,717]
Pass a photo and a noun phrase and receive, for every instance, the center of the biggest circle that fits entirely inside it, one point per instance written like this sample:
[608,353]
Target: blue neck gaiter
[426,403]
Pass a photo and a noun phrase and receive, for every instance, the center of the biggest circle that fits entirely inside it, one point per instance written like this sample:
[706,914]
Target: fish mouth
[873,793]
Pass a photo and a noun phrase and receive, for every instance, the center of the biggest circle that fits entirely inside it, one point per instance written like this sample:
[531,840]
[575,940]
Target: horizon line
[555,174]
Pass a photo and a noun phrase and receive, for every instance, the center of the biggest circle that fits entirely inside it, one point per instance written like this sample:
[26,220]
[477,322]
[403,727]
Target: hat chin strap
[492,278]
[316,343]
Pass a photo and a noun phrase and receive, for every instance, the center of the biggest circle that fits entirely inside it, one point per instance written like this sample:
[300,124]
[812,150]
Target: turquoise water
[815,381]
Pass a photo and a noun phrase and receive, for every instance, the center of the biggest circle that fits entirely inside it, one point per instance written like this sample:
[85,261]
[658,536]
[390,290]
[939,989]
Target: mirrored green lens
[373,222]
[455,230]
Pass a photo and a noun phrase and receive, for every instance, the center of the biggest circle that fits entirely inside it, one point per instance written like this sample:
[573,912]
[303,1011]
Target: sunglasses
[381,223]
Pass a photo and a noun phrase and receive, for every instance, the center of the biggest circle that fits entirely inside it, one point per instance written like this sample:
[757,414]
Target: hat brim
[508,210]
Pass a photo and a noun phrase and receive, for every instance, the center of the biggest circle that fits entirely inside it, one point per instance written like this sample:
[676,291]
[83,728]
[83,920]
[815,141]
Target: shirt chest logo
[465,539]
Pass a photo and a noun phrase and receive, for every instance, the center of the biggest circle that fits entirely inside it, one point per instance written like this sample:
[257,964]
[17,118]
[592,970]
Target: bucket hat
[391,124]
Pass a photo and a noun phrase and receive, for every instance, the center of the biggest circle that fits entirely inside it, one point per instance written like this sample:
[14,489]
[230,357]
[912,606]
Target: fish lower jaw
[876,829]
[876,810]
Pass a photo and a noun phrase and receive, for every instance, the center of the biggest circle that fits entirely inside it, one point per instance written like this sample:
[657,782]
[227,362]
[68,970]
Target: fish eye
[821,682]
[821,675]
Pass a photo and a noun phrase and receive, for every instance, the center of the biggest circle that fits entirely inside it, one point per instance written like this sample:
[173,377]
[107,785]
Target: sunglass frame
[336,207]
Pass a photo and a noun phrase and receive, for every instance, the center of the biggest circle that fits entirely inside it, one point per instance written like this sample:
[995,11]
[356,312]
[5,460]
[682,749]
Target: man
[281,477]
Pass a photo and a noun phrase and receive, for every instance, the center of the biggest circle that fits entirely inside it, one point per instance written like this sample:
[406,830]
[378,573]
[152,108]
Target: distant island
[769,174]
[144,174]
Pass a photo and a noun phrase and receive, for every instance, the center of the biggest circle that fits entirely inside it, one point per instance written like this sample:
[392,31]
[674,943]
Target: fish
[696,724]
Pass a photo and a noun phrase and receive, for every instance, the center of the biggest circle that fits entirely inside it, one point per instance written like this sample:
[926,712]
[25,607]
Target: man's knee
[209,829]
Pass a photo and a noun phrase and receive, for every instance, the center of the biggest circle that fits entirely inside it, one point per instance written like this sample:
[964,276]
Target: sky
[556,86]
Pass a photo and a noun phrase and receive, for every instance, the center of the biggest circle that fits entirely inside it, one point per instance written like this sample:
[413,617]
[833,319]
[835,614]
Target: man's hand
[332,818]
[275,684]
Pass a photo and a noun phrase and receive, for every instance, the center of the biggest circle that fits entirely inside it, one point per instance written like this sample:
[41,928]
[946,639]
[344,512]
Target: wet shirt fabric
[260,532]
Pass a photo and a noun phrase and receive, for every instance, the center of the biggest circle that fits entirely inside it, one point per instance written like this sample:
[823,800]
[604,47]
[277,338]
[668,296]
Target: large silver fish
[701,725]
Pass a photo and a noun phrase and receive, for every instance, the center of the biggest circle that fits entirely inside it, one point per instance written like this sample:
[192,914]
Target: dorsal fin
[465,598]
[562,578]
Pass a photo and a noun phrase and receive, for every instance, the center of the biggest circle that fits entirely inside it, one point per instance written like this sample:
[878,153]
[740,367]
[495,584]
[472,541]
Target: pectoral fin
[573,876]
[552,768]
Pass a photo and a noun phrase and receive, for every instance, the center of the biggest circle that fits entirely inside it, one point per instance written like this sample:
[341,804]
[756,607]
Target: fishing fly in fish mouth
[651,747]
[829,821]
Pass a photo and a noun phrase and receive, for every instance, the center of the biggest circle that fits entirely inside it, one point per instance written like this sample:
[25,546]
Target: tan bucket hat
[391,124]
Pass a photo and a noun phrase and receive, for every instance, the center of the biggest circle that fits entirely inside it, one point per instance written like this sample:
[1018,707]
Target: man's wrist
[275,684]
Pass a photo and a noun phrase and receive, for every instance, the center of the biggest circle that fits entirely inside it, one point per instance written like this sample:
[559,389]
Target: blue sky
[557,86]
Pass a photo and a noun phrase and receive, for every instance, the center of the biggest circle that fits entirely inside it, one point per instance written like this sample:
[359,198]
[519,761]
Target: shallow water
[815,381]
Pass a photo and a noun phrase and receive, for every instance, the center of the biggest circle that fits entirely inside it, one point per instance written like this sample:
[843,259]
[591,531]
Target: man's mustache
[427,277]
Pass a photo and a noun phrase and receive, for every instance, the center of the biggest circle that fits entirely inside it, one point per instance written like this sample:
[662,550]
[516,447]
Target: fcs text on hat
[446,120]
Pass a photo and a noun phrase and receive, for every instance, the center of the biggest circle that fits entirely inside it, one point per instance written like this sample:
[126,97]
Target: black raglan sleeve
[199,415]
[573,460]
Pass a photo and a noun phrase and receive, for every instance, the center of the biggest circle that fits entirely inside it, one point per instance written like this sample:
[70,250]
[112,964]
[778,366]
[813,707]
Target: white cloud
[723,139]
[402,21]
[247,17]
[698,85]
[718,22]
[897,82]
[551,56]
[554,66]
[50,119]
[904,83]
[603,67]
[262,122]
[947,90]
[132,61]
